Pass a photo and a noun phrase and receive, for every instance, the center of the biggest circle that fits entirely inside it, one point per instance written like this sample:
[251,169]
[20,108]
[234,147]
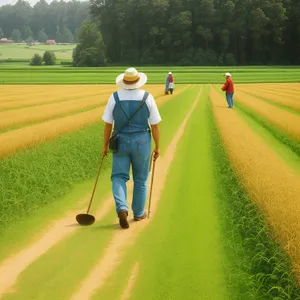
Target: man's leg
[232,98]
[228,100]
[119,177]
[140,170]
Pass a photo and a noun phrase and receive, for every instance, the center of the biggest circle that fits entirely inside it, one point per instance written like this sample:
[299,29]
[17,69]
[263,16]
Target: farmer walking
[229,88]
[131,110]
[169,84]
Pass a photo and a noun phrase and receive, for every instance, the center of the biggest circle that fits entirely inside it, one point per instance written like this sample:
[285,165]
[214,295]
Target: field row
[272,183]
[156,75]
[64,117]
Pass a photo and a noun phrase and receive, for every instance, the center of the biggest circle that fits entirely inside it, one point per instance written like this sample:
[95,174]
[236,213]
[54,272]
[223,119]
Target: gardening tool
[152,180]
[87,219]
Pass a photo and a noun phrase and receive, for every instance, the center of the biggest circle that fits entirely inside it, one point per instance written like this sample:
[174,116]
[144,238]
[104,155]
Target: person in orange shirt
[229,88]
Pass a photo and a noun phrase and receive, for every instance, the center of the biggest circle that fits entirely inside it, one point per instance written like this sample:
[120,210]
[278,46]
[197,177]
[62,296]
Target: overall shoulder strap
[145,97]
[117,99]
[141,105]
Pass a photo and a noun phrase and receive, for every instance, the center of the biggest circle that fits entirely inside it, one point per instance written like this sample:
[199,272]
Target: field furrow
[30,136]
[23,92]
[44,112]
[284,100]
[62,99]
[278,87]
[65,94]
[285,93]
[284,120]
[273,185]
[40,113]
[27,137]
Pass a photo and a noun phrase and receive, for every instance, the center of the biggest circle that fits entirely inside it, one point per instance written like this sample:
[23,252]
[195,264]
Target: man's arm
[107,134]
[156,136]
[225,86]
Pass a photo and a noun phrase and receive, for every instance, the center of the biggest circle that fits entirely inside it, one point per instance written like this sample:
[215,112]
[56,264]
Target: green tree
[27,32]
[49,58]
[42,37]
[16,35]
[36,60]
[1,33]
[90,50]
[66,35]
[58,35]
[29,40]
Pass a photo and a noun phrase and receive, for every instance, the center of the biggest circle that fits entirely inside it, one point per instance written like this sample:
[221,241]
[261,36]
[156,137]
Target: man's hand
[104,150]
[107,134]
[156,153]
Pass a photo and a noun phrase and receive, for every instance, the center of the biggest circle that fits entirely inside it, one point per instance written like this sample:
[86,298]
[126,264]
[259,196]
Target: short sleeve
[108,112]
[154,117]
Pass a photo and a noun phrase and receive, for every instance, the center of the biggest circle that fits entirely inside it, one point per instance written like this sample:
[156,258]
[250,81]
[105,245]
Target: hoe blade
[85,219]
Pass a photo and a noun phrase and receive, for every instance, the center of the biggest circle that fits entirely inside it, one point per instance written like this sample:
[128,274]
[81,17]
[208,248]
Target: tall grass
[37,177]
[265,266]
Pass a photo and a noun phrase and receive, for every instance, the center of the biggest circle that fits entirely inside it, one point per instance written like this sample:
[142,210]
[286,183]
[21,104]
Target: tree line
[196,32]
[58,20]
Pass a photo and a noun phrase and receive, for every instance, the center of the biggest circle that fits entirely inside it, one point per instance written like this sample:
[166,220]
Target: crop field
[226,197]
[24,74]
[22,51]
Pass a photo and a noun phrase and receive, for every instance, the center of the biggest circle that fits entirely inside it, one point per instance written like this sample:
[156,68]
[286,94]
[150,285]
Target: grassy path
[183,257]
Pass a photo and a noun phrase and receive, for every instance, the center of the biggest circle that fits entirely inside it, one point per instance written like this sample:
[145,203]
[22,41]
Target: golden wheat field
[30,115]
[274,186]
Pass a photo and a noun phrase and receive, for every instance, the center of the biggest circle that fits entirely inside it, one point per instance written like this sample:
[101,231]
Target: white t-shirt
[132,95]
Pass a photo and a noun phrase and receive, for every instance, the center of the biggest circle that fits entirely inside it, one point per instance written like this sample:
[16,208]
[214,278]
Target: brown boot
[144,216]
[123,214]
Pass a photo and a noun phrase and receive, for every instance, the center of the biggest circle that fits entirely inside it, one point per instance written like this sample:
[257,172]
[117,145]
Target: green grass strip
[261,260]
[280,135]
[58,273]
[39,176]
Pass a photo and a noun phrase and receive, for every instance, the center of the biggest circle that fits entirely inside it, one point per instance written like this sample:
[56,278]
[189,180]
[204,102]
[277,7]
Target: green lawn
[18,74]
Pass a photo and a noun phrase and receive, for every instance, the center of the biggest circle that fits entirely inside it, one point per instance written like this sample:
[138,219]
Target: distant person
[169,83]
[229,88]
[133,143]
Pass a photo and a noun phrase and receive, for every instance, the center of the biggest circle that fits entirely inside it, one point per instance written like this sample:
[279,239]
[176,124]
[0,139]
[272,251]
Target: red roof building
[50,42]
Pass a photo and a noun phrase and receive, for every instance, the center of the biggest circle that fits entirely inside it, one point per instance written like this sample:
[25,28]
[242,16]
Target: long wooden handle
[99,170]
[151,187]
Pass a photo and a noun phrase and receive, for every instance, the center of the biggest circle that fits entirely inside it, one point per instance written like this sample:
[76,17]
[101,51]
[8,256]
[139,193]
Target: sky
[32,2]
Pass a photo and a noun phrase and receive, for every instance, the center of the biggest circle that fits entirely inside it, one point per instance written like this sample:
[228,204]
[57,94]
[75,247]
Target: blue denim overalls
[134,149]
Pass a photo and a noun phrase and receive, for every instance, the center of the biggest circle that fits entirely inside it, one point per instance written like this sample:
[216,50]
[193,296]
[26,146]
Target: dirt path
[131,282]
[124,239]
[12,267]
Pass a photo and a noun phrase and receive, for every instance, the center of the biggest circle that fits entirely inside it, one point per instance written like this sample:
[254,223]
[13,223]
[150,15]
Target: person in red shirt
[229,88]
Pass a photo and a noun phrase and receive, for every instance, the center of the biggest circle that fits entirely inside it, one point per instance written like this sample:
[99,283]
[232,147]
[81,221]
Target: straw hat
[170,73]
[131,79]
[227,74]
